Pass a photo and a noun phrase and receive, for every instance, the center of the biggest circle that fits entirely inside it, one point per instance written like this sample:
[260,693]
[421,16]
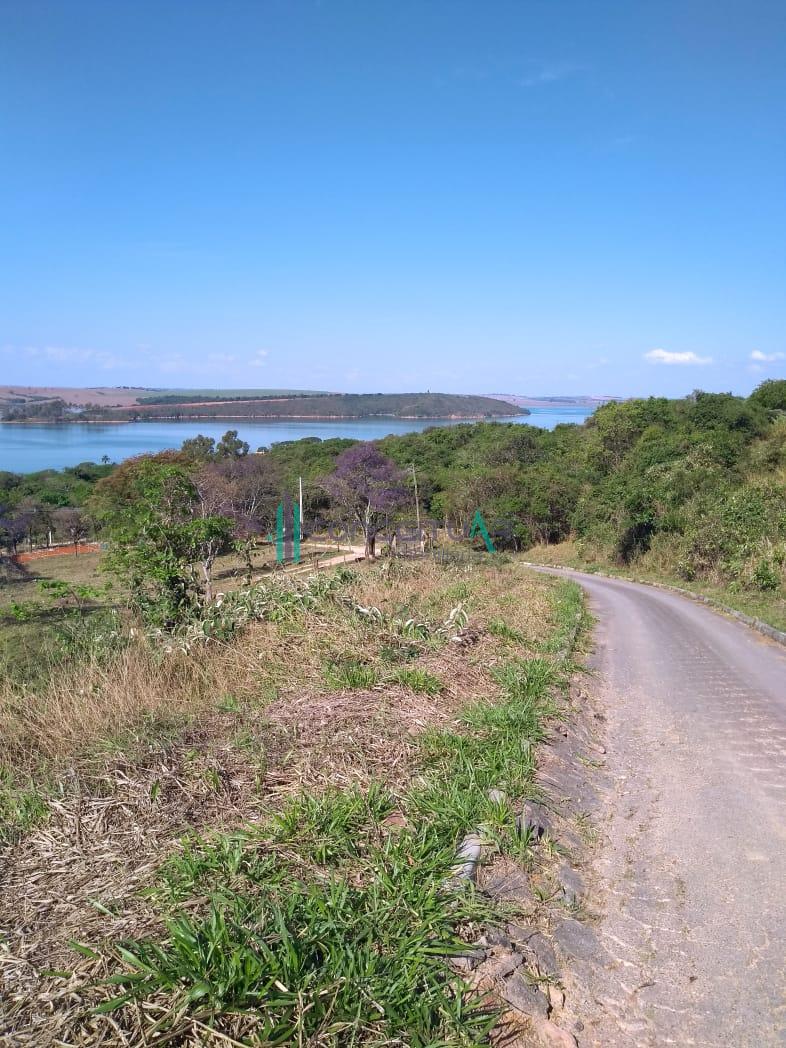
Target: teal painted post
[280,533]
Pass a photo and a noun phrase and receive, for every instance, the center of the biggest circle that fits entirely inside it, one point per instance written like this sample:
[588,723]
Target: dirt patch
[251,724]
[57,551]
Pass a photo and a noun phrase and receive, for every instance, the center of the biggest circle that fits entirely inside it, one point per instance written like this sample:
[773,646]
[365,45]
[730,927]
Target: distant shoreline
[266,418]
[63,422]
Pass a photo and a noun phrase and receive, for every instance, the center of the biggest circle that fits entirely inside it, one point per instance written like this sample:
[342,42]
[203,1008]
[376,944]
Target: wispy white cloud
[258,359]
[599,362]
[766,358]
[174,364]
[551,73]
[66,356]
[665,356]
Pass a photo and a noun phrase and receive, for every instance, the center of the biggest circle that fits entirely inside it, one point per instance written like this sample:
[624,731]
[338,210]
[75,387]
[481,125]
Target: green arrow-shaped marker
[479,525]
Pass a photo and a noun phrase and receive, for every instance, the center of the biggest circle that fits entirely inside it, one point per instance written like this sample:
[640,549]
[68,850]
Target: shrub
[765,576]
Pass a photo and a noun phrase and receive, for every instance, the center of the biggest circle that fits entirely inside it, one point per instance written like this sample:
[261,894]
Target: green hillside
[174,396]
[334,405]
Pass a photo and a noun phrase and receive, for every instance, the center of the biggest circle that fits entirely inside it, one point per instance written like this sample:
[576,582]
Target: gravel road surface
[690,872]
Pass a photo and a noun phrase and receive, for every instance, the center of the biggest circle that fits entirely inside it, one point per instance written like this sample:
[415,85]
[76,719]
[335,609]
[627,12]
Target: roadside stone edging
[761,627]
[470,852]
[468,857]
[515,970]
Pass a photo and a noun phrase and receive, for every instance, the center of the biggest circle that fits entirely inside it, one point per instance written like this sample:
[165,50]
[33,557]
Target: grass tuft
[21,806]
[500,628]
[420,681]
[350,673]
[332,961]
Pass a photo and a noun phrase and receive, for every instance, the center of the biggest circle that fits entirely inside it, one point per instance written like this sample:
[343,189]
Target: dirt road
[690,871]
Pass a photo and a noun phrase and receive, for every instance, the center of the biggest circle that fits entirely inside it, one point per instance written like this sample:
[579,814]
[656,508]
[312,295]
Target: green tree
[160,537]
[231,446]
[366,487]
[199,448]
[770,394]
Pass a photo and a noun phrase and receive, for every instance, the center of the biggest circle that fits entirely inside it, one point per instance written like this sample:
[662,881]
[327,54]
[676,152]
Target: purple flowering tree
[366,486]
[13,528]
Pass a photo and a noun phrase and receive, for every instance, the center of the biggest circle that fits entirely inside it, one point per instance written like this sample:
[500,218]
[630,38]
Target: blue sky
[532,196]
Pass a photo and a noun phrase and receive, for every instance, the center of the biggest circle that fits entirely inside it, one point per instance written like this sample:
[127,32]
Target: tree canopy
[771,394]
[695,484]
[366,486]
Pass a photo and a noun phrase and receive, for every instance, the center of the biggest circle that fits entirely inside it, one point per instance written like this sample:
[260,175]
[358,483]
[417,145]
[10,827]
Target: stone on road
[690,873]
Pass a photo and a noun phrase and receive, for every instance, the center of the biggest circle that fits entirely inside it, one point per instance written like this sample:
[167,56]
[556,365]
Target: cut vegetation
[251,841]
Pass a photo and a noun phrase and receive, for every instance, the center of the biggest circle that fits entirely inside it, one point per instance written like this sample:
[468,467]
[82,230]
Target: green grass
[491,750]
[36,629]
[572,618]
[324,924]
[350,673]
[417,680]
[22,806]
[328,960]
[34,650]
[500,628]
[321,928]
[334,827]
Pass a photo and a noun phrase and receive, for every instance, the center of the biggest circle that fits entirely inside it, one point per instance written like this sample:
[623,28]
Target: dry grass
[142,748]
[231,570]
[139,691]
[26,641]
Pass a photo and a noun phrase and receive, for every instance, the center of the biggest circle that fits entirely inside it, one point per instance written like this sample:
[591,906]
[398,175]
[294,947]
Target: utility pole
[300,513]
[417,505]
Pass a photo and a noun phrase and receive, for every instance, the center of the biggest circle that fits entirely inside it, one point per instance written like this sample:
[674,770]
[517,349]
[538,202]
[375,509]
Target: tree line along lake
[29,447]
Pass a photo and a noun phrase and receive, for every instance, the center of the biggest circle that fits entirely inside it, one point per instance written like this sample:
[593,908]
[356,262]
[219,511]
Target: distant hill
[127,396]
[194,396]
[580,401]
[62,404]
[332,405]
[106,396]
[135,402]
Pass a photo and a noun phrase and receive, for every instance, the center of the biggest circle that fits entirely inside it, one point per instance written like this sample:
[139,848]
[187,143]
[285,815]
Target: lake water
[27,448]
